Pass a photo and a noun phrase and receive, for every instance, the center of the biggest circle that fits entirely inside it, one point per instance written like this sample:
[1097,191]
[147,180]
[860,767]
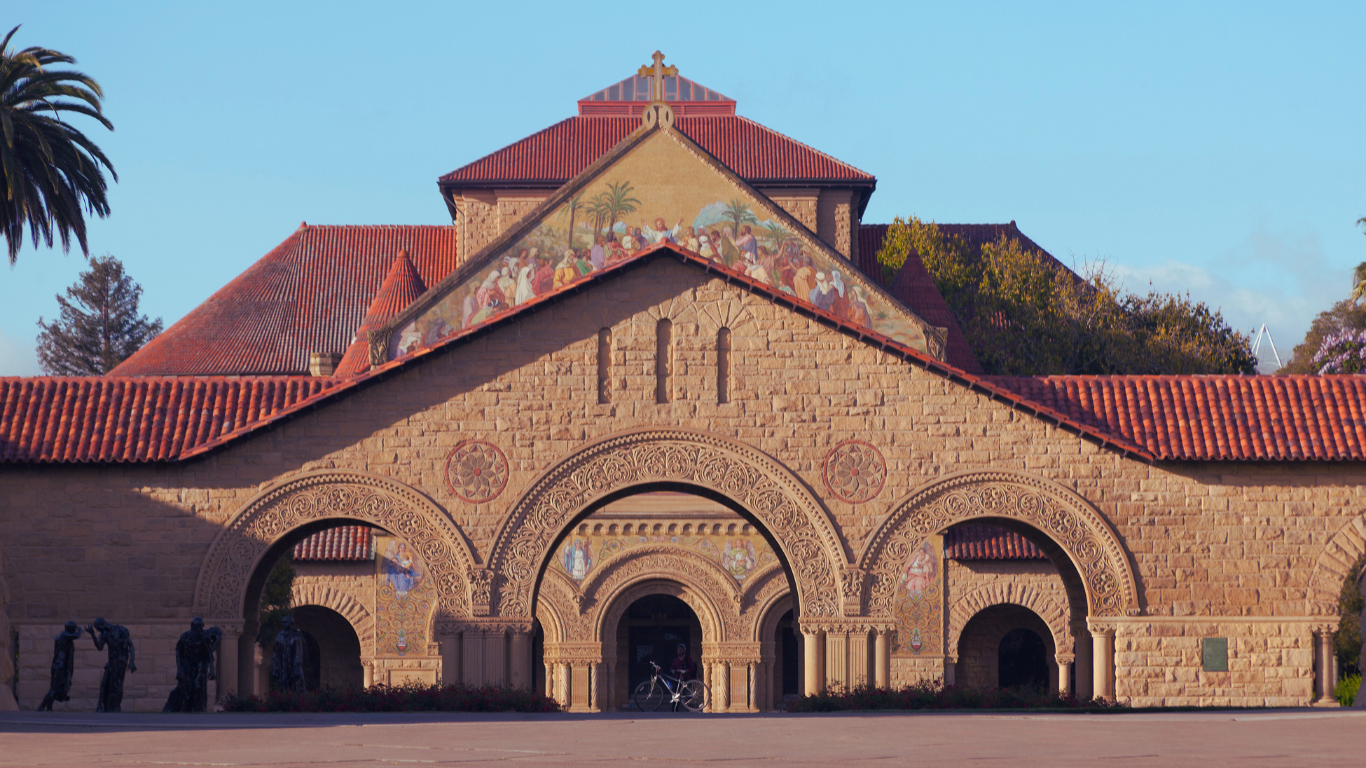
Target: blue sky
[1209,147]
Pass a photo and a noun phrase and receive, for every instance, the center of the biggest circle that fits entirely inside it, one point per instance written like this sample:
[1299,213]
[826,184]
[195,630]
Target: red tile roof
[1214,418]
[400,288]
[559,153]
[309,294]
[984,541]
[117,419]
[344,542]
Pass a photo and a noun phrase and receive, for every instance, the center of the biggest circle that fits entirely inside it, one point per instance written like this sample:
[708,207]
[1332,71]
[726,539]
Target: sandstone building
[650,388]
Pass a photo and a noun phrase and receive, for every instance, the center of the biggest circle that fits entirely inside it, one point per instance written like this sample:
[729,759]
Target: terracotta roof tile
[120,418]
[559,153]
[400,288]
[344,542]
[307,295]
[984,541]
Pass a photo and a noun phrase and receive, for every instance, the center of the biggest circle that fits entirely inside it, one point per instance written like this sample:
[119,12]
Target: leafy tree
[739,213]
[99,325]
[1023,314]
[276,598]
[49,169]
[1343,352]
[617,202]
[1347,641]
[1345,316]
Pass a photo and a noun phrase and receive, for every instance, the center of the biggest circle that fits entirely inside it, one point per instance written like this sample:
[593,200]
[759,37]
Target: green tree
[277,597]
[1346,315]
[1023,314]
[739,213]
[50,169]
[99,326]
[1347,641]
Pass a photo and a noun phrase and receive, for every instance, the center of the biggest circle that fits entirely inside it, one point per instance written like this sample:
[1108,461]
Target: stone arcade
[650,387]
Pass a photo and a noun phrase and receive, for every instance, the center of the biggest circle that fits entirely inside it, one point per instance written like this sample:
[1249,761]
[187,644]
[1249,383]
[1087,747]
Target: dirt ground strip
[1246,738]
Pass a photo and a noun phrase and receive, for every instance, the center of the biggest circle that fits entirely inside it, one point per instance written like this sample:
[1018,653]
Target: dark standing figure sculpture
[122,659]
[194,655]
[63,666]
[287,662]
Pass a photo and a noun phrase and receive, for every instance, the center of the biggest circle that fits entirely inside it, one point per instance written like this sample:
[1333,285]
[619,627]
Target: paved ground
[1248,738]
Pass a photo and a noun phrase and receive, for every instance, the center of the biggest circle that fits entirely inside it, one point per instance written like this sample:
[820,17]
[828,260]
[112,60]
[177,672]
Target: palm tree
[572,208]
[739,213]
[1359,283]
[618,202]
[49,169]
[778,233]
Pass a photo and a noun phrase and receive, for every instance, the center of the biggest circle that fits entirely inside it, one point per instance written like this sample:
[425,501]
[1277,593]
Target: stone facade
[1151,557]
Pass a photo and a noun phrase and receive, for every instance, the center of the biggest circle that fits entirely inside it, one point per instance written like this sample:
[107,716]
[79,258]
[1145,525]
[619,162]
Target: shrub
[404,698]
[1346,691]
[926,695]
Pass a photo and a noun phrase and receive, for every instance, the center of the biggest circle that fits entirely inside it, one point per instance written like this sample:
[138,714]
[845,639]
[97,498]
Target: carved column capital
[481,590]
[852,580]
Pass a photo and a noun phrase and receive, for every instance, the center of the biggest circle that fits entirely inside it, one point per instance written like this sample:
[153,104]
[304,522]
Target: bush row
[405,698]
[931,696]
[1346,692]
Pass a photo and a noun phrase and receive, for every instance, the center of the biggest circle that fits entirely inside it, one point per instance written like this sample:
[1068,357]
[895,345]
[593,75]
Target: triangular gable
[656,184]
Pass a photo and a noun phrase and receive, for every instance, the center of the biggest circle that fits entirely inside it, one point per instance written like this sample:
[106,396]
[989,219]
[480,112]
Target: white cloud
[17,358]
[1278,280]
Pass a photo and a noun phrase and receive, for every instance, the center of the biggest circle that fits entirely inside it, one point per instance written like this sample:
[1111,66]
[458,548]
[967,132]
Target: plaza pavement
[1244,738]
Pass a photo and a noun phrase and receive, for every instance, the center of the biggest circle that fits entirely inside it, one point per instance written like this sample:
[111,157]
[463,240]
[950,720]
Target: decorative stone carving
[220,592]
[854,471]
[777,499]
[481,591]
[707,589]
[851,589]
[1333,564]
[476,471]
[312,593]
[1061,514]
[1007,593]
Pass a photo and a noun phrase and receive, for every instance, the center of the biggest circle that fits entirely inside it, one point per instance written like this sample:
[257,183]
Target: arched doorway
[336,659]
[650,631]
[1006,646]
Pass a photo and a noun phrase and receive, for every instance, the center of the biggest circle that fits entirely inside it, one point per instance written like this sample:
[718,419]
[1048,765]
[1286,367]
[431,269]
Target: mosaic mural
[740,555]
[918,603]
[404,599]
[658,192]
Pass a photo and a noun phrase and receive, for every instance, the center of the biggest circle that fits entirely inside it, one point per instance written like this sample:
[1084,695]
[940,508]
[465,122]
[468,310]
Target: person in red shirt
[683,667]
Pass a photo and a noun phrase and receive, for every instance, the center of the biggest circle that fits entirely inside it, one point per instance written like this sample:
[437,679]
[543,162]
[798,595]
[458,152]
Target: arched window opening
[1023,660]
[663,359]
[723,365]
[604,365]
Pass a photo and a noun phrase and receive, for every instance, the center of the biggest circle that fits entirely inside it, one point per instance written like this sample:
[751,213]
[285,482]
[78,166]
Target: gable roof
[1283,418]
[309,294]
[401,287]
[757,154]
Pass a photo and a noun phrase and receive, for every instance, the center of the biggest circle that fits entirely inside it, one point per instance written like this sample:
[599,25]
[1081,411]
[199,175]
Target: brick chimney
[323,363]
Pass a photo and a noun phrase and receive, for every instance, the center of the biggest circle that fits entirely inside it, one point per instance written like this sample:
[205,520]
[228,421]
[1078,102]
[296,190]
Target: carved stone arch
[313,593]
[769,611]
[757,581]
[714,590]
[615,606]
[797,522]
[312,497]
[1065,517]
[728,311]
[558,600]
[1333,565]
[1007,593]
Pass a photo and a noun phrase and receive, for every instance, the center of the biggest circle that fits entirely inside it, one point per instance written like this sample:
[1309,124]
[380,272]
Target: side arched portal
[751,481]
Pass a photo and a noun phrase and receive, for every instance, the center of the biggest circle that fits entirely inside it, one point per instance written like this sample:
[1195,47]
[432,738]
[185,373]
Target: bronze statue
[63,666]
[121,659]
[194,655]
[287,663]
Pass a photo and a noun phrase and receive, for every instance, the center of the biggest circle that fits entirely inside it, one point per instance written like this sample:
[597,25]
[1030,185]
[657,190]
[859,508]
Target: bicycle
[651,694]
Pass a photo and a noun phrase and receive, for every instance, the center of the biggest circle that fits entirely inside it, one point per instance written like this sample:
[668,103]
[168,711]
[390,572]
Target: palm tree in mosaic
[739,213]
[51,171]
[572,208]
[617,202]
[778,234]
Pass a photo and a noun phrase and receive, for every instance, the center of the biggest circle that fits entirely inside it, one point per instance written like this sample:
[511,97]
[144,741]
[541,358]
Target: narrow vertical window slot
[663,359]
[723,365]
[604,365]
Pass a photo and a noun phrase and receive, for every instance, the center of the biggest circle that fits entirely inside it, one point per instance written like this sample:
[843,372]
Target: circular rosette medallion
[854,471]
[476,471]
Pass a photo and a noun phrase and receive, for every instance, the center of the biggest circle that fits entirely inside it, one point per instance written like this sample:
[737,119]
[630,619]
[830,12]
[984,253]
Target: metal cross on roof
[657,73]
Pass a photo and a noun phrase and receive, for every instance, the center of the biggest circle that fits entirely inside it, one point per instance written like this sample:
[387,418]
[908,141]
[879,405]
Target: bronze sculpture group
[195,653]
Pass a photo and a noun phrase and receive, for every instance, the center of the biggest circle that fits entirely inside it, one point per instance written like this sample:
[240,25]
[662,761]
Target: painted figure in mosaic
[194,668]
[578,559]
[63,666]
[920,571]
[739,558]
[122,658]
[287,661]
[401,569]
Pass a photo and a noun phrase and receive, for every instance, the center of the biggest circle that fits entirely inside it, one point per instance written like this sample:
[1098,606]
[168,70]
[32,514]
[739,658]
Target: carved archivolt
[799,524]
[717,606]
[1061,514]
[237,551]
[1006,593]
[1333,566]
[329,597]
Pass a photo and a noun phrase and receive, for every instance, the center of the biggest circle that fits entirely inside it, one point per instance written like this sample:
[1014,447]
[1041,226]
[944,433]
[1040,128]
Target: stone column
[226,681]
[495,657]
[448,641]
[882,659]
[1325,662]
[1064,675]
[720,687]
[549,680]
[859,663]
[594,688]
[1085,689]
[368,669]
[472,657]
[814,680]
[609,683]
[520,665]
[752,689]
[562,684]
[837,660]
[1103,662]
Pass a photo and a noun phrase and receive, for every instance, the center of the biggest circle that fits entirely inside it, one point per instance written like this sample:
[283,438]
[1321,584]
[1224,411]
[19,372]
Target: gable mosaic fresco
[661,191]
[740,555]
